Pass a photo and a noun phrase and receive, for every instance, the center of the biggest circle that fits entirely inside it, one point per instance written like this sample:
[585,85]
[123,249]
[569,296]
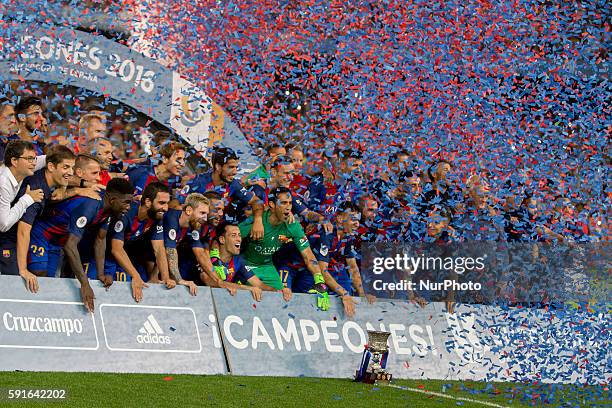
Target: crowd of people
[296,224]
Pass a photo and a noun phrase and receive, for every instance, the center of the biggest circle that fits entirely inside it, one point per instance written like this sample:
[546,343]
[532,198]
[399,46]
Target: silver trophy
[374,359]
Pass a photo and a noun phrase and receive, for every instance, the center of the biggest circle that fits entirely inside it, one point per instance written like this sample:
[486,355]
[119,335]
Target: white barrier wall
[168,332]
[215,333]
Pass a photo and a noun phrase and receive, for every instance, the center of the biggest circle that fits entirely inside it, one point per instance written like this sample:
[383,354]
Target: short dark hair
[151,191]
[274,194]
[119,186]
[162,136]
[294,146]
[434,167]
[14,150]
[213,195]
[349,154]
[443,210]
[222,155]
[394,157]
[348,206]
[407,174]
[279,161]
[83,159]
[4,102]
[169,148]
[59,153]
[220,229]
[273,146]
[25,103]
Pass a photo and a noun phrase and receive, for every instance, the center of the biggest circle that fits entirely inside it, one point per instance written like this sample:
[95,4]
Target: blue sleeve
[118,228]
[350,250]
[316,192]
[33,211]
[243,272]
[82,215]
[240,193]
[195,238]
[158,231]
[171,229]
[106,224]
[298,205]
[321,244]
[259,192]
[138,177]
[195,185]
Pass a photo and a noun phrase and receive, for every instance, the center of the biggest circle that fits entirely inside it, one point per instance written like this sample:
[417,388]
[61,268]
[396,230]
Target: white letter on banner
[413,330]
[362,338]
[328,337]
[240,345]
[39,47]
[5,319]
[398,338]
[369,326]
[215,332]
[309,337]
[95,63]
[286,335]
[260,334]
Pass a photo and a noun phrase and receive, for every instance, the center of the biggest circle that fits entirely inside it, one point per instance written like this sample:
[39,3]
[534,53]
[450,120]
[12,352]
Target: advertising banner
[75,58]
[170,331]
[274,337]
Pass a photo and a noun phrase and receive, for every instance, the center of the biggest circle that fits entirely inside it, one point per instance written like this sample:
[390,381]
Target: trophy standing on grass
[374,359]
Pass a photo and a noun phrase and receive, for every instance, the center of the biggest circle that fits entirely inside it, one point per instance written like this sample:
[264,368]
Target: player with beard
[102,149]
[183,232]
[346,183]
[64,224]
[8,125]
[31,119]
[217,209]
[281,175]
[280,229]
[222,179]
[230,271]
[336,250]
[383,185]
[137,235]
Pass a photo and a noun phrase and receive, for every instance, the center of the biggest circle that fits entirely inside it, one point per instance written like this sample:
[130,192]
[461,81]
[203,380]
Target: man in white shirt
[20,161]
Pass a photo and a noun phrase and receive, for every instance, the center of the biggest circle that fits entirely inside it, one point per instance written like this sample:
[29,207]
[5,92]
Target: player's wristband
[318,278]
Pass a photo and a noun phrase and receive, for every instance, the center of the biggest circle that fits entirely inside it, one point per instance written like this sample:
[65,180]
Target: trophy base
[373,378]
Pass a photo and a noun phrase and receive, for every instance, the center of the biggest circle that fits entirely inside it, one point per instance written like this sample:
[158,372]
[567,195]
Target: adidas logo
[152,333]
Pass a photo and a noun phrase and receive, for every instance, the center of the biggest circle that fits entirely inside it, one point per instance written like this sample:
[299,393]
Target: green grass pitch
[153,390]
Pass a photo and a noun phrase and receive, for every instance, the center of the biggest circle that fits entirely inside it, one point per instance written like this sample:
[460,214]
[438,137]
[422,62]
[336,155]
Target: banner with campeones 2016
[71,57]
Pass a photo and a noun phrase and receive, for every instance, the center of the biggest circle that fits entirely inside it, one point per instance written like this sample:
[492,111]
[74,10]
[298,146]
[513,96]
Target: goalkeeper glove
[218,266]
[320,289]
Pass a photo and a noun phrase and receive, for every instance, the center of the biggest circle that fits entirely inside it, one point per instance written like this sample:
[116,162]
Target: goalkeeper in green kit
[280,228]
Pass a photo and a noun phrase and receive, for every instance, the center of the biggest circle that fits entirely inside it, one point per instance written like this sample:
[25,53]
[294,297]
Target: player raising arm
[222,179]
[279,230]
